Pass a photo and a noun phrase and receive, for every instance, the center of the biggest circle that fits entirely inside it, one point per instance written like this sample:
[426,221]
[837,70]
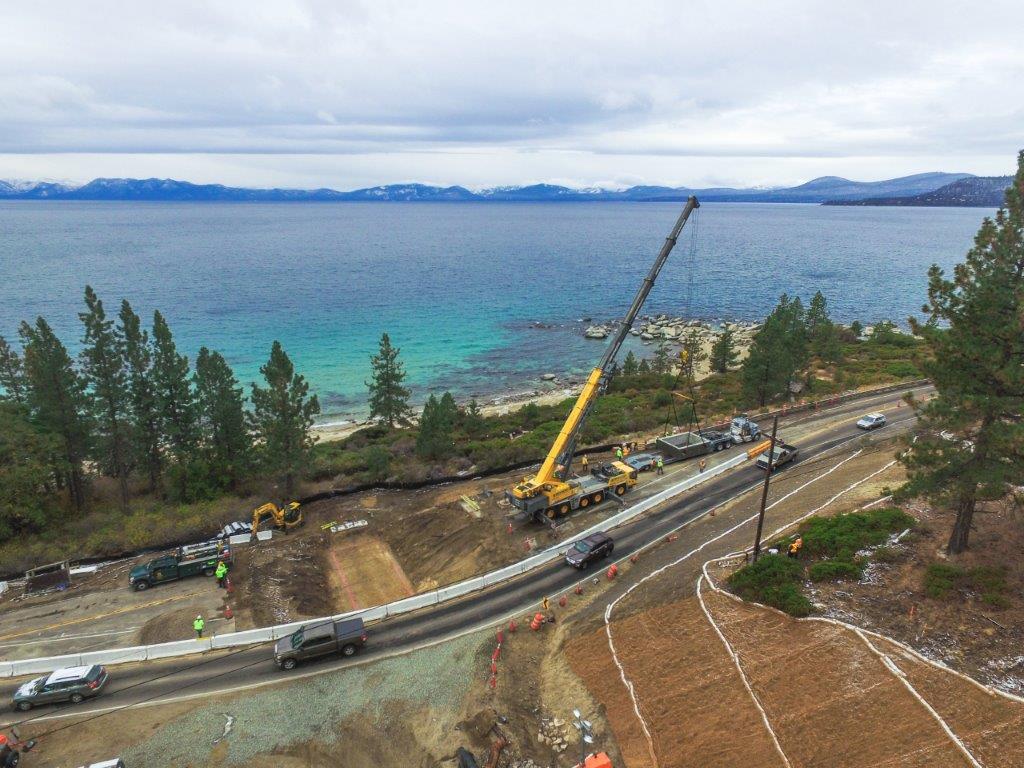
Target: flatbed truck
[687,445]
[174,567]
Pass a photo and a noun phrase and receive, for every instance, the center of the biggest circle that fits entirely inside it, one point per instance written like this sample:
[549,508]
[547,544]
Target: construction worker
[794,547]
[544,604]
[585,463]
[221,572]
[198,625]
[618,453]
[660,464]
[625,451]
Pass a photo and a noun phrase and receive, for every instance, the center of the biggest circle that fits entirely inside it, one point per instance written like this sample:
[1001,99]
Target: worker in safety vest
[625,452]
[794,548]
[585,462]
[198,625]
[660,464]
[618,453]
[221,572]
[703,465]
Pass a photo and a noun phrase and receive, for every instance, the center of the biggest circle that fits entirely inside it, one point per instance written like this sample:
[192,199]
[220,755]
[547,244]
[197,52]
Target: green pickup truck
[180,565]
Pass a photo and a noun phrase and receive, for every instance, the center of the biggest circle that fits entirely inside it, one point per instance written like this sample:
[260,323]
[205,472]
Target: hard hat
[3,739]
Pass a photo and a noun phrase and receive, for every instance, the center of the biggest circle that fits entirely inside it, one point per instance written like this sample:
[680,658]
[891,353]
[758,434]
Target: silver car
[871,421]
[74,684]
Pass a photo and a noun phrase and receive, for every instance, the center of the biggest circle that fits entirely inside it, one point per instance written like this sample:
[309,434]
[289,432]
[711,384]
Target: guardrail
[377,613]
[426,599]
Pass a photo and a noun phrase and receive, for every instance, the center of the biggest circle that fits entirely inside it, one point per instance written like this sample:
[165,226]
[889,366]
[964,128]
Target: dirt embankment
[981,634]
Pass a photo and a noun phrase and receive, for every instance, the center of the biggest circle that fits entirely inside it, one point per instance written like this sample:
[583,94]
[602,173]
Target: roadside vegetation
[836,548]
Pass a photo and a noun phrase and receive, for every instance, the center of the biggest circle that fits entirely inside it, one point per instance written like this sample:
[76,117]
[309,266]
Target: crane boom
[556,465]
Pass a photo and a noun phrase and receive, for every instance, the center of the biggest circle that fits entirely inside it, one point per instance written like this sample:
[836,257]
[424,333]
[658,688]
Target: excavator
[283,518]
[553,492]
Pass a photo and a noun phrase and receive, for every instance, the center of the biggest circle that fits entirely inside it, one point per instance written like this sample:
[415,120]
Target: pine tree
[695,354]
[26,471]
[12,374]
[778,352]
[661,363]
[282,417]
[103,366]
[723,351]
[175,402]
[145,416]
[974,332]
[222,420]
[822,332]
[472,419]
[630,366]
[437,423]
[58,403]
[389,400]
[644,367]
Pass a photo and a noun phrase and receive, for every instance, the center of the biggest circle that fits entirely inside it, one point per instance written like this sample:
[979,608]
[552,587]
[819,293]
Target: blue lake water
[459,287]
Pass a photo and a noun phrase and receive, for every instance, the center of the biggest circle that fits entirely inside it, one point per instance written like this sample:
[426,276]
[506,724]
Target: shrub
[940,578]
[773,580]
[842,536]
[902,369]
[886,555]
[836,570]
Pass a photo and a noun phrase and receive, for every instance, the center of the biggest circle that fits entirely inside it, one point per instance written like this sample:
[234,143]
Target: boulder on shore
[596,332]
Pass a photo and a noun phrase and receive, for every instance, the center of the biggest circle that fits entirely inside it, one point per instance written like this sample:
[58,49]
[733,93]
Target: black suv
[596,546]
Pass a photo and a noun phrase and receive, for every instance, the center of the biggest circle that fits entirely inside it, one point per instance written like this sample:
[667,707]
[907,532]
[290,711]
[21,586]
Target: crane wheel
[550,513]
[584,502]
[620,490]
[598,498]
[563,510]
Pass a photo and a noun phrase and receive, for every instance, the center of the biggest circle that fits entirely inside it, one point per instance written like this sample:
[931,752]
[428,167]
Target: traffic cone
[613,572]
[496,655]
[538,620]
[228,613]
[512,626]
[579,589]
[633,558]
[500,637]
[563,601]
[228,585]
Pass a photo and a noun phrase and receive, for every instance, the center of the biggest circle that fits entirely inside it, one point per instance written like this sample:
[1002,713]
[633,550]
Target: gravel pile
[276,717]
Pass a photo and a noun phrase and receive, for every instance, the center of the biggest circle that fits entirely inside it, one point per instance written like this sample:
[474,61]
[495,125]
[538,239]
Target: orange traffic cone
[228,613]
[613,572]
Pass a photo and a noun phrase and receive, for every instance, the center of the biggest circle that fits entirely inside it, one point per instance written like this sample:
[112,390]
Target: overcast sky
[345,94]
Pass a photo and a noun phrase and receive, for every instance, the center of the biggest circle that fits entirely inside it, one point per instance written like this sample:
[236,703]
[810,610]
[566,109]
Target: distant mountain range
[826,188]
[833,189]
[973,191]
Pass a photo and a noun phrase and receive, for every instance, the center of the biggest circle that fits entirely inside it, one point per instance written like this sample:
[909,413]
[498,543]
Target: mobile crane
[552,493]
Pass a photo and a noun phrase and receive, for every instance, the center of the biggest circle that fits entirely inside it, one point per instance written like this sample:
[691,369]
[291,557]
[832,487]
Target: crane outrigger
[552,492]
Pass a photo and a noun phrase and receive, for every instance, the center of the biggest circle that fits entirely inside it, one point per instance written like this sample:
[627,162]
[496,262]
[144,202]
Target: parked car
[74,684]
[871,421]
[596,546]
[324,638]
[642,462]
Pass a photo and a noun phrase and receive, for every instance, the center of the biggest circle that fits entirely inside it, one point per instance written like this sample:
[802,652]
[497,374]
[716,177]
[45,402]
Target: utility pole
[764,491]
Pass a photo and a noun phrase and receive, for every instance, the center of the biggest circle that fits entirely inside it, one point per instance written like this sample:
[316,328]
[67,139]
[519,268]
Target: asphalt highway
[185,677]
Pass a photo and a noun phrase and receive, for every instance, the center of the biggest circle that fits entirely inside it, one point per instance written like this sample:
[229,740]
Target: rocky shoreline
[652,331]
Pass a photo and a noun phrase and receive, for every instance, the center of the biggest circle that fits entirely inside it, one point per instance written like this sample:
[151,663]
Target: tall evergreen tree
[220,403]
[434,436]
[660,362]
[58,403]
[175,401]
[145,415]
[723,351]
[282,416]
[630,366]
[975,332]
[695,354]
[389,400]
[473,419]
[779,351]
[821,331]
[12,374]
[103,366]
[26,471]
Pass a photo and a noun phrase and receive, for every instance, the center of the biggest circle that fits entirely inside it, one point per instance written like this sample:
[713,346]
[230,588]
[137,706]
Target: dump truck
[783,454]
[553,491]
[177,565]
[271,516]
[686,445]
[344,636]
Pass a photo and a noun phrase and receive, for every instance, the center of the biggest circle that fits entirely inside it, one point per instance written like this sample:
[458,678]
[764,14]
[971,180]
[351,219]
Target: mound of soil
[168,627]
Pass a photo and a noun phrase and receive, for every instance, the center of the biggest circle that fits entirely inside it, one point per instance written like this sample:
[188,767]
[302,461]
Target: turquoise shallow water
[461,288]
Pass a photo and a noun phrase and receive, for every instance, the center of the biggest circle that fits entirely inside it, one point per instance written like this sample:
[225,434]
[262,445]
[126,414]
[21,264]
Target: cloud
[591,84]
